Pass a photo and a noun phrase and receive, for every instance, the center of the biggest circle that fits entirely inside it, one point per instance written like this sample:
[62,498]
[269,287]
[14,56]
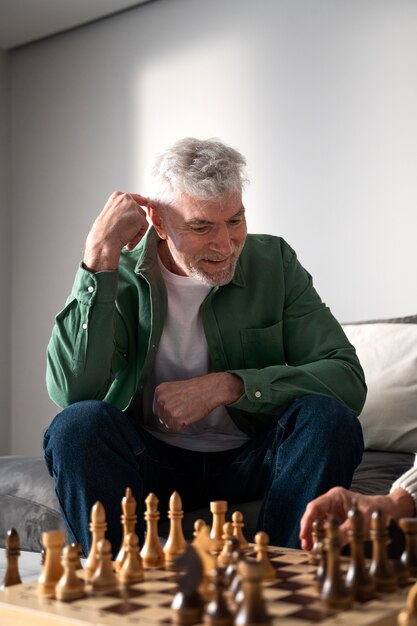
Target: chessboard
[291,600]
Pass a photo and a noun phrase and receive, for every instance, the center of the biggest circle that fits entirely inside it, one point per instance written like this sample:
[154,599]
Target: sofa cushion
[387,350]
[27,500]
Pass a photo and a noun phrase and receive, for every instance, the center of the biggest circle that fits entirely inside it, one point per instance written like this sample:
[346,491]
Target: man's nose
[222,241]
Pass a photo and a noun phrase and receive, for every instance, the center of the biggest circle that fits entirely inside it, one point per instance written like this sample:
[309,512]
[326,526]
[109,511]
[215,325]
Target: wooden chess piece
[53,541]
[381,569]
[318,533]
[252,610]
[358,578]
[187,604]
[98,527]
[217,612]
[408,616]
[318,552]
[175,544]
[204,547]
[231,569]
[409,557]
[12,576]
[128,519]
[152,553]
[198,525]
[334,592]
[218,509]
[225,557]
[70,586]
[131,571]
[238,525]
[104,578]
[78,547]
[261,547]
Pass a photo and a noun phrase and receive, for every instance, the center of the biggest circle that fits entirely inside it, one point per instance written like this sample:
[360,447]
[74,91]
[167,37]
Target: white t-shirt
[183,354]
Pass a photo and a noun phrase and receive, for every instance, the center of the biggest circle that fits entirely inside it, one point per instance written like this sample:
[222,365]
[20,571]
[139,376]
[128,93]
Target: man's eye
[199,229]
[235,221]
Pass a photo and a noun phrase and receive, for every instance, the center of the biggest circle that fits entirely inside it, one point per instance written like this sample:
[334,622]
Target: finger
[317,509]
[344,532]
[134,242]
[140,200]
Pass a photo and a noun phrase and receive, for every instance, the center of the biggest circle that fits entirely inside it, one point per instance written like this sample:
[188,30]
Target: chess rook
[219,509]
[53,541]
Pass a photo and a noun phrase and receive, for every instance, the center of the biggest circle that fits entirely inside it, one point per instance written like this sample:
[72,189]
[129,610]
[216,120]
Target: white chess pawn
[70,586]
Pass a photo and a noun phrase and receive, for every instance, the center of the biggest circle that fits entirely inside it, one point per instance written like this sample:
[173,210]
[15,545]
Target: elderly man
[197,358]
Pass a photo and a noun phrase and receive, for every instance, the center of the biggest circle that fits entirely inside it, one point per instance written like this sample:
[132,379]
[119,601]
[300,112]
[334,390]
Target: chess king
[193,357]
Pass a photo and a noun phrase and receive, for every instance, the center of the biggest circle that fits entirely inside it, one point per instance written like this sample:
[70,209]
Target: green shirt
[268,326]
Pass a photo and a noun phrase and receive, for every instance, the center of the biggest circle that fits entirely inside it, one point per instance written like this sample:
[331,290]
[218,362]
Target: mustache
[215,256]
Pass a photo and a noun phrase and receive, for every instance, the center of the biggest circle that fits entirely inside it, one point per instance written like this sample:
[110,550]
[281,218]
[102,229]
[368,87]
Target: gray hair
[200,168]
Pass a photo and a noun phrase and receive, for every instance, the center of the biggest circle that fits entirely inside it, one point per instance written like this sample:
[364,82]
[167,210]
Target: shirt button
[85,326]
[90,289]
[257,394]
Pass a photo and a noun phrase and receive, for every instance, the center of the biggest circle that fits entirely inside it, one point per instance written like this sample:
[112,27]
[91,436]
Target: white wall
[5,290]
[320,96]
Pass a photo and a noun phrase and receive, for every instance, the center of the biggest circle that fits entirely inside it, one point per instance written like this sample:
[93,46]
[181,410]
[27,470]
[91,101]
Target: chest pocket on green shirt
[263,347]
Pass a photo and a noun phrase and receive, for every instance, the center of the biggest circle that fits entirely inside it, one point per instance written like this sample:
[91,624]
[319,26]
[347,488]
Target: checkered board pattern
[291,600]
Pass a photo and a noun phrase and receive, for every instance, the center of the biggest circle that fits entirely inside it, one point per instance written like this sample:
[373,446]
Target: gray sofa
[388,352]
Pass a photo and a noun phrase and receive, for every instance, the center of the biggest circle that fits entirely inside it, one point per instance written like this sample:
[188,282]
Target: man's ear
[154,215]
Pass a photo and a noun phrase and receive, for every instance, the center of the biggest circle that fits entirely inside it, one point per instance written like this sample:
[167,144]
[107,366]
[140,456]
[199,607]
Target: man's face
[203,238]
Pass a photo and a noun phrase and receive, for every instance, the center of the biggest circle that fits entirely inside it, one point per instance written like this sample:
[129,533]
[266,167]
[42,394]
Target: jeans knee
[331,421]
[79,426]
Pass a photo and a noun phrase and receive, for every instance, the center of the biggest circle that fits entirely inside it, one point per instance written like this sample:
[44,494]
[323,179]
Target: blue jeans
[93,451]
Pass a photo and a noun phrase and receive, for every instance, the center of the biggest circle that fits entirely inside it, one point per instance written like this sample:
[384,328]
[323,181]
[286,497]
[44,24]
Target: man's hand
[121,223]
[178,404]
[338,501]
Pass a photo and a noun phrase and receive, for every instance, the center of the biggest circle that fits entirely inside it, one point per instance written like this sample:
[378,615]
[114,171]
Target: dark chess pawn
[12,576]
[321,570]
[187,605]
[334,592]
[252,610]
[358,578]
[217,612]
[236,553]
[318,533]
[381,569]
[409,557]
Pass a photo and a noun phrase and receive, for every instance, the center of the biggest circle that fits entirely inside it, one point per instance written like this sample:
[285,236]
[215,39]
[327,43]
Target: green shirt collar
[147,251]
